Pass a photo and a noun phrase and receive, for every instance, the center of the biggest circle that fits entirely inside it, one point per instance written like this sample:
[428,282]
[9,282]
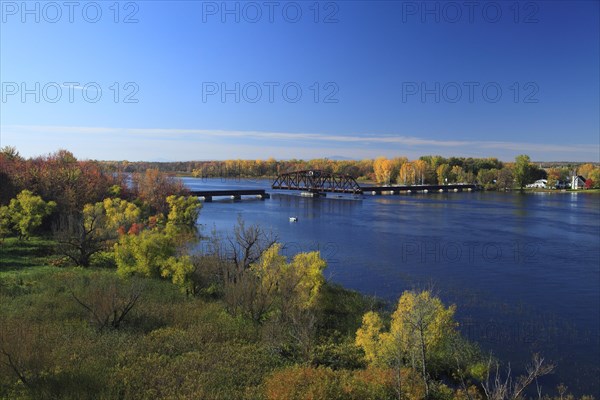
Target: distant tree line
[490,173]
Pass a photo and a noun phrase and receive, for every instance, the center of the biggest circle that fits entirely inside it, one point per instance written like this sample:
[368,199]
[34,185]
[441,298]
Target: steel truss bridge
[316,181]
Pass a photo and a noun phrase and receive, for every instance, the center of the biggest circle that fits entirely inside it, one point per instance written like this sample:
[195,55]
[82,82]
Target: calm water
[523,270]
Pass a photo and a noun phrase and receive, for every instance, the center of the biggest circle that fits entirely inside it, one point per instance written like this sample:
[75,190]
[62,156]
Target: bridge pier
[234,194]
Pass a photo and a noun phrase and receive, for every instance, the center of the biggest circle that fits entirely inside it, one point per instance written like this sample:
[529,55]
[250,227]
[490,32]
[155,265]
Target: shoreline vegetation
[489,173]
[106,294]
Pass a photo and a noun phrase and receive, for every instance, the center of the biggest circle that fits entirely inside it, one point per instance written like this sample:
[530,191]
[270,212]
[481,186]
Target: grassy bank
[168,346]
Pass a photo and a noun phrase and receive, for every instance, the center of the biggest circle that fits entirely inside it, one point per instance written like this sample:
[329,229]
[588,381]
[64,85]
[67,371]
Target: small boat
[293,219]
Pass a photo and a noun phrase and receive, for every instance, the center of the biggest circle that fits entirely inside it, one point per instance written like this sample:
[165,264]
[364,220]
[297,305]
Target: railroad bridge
[317,181]
[320,182]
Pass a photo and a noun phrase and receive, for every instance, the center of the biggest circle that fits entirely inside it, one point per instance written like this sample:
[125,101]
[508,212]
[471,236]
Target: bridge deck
[236,194]
[413,188]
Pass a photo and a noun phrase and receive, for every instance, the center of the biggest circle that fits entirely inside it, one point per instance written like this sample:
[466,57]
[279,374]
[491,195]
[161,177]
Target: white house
[577,182]
[540,183]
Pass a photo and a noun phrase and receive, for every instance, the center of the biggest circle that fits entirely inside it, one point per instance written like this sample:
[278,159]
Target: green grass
[196,347]
[16,255]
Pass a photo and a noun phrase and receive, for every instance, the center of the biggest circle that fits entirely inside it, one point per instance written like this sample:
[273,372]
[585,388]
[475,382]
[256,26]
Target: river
[523,269]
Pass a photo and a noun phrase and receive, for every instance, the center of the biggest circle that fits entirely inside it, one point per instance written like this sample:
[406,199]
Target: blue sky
[193,80]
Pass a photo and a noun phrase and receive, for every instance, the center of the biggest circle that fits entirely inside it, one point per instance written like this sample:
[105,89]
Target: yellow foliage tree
[420,168]
[288,285]
[420,327]
[383,170]
[585,169]
[443,173]
[119,213]
[407,174]
[368,336]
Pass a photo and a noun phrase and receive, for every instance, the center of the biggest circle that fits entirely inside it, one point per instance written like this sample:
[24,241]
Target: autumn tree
[420,328]
[368,337]
[153,187]
[156,251]
[594,177]
[383,169]
[443,173]
[457,174]
[81,236]
[397,163]
[407,174]
[420,168]
[26,213]
[287,294]
[553,177]
[10,163]
[585,170]
[183,214]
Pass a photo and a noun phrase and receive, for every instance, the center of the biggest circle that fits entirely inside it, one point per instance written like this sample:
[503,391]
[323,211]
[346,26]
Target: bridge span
[316,182]
[234,194]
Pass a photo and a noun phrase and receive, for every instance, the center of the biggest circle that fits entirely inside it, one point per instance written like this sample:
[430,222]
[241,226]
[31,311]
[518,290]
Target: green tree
[27,212]
[5,222]
[486,177]
[183,214]
[153,253]
[505,179]
[145,254]
[523,170]
[457,174]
